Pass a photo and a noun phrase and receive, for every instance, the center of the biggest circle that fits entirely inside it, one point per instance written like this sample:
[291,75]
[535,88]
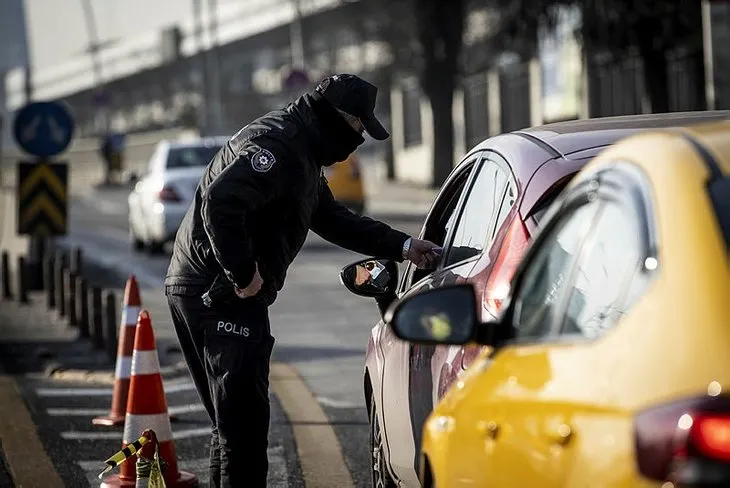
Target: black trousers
[227,350]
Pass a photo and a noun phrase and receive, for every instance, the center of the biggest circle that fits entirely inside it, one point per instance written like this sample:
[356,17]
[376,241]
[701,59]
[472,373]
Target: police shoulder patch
[263,160]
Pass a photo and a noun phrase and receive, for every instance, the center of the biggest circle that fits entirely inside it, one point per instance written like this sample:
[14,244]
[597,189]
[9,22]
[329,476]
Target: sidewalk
[29,337]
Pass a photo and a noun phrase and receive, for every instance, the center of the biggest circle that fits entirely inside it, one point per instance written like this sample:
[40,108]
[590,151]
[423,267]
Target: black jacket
[261,194]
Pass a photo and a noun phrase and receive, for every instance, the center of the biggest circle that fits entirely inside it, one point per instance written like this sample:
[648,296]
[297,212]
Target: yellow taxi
[345,181]
[609,365]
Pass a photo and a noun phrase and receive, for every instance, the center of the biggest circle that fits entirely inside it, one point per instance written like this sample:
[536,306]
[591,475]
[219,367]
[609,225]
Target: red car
[483,217]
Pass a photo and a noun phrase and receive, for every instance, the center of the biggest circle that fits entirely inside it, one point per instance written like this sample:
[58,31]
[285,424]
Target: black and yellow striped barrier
[127,452]
[42,199]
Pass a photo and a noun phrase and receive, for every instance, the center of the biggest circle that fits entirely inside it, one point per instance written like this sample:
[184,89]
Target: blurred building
[217,76]
[13,57]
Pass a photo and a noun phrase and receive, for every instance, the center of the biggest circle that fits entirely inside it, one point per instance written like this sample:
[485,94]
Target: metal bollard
[60,265]
[77,258]
[22,280]
[49,283]
[70,282]
[97,329]
[7,293]
[110,324]
[83,307]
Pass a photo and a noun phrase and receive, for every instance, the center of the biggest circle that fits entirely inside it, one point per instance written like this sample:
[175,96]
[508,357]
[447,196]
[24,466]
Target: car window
[548,271]
[508,200]
[543,205]
[608,269]
[187,157]
[473,231]
[439,223]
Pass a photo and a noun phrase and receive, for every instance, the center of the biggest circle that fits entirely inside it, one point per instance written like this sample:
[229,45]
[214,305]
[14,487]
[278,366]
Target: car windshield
[191,156]
[720,196]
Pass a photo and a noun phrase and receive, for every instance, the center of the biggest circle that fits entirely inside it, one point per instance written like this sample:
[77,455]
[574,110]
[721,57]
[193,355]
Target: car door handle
[489,428]
[560,433]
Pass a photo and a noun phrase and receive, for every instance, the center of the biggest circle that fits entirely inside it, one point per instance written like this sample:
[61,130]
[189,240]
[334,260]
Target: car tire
[379,470]
[155,247]
[137,243]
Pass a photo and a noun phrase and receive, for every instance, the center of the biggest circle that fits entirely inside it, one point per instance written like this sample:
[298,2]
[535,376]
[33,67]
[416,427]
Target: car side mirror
[374,278]
[445,315]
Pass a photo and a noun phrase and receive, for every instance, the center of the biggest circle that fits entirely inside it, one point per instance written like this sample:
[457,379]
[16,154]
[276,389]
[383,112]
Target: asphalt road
[320,328]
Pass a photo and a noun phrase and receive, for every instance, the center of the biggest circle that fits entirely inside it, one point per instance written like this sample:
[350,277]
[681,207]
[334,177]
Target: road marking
[26,457]
[331,402]
[92,412]
[101,204]
[77,435]
[175,387]
[320,455]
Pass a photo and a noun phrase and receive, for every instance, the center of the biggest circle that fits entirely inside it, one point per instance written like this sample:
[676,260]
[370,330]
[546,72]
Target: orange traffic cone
[147,409]
[125,347]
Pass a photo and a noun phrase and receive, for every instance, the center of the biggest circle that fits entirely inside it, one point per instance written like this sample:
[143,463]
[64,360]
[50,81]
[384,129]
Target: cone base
[109,420]
[184,480]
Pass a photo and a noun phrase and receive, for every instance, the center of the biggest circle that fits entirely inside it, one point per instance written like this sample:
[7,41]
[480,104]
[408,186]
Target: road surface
[321,332]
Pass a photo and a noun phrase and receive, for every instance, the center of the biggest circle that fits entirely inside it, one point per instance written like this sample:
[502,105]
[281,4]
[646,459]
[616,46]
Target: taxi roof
[715,137]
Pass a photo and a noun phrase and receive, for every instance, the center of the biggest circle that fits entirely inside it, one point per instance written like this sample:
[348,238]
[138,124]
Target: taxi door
[529,433]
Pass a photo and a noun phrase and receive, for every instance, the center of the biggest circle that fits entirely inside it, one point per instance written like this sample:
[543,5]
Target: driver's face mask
[378,274]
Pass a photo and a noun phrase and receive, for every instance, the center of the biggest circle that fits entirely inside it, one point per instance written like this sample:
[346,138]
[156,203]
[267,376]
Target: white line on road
[332,403]
[104,203]
[113,253]
[91,412]
[62,392]
[75,435]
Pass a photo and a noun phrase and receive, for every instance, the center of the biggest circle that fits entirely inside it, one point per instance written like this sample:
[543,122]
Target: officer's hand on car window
[253,287]
[424,254]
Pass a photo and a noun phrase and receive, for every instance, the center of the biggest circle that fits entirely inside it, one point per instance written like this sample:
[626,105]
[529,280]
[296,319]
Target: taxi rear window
[720,195]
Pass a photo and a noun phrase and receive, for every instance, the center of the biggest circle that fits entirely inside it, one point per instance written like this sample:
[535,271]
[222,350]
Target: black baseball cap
[354,96]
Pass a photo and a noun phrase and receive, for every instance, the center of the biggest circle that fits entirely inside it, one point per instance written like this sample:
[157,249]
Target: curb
[24,453]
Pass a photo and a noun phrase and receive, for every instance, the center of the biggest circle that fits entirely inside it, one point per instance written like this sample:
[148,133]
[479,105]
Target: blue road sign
[43,128]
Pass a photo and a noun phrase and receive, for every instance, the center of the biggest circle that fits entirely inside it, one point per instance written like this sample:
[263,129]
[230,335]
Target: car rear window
[191,156]
[549,197]
[720,196]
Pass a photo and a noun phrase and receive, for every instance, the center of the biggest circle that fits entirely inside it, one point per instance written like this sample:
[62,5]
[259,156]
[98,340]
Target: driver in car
[256,201]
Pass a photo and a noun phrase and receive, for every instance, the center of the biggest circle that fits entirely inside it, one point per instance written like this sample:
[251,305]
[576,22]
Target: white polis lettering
[232,328]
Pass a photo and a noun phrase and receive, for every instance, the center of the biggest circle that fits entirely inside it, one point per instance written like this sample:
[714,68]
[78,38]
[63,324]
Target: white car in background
[159,200]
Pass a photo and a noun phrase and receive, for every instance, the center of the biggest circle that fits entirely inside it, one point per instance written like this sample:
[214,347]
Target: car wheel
[137,243]
[380,474]
[155,247]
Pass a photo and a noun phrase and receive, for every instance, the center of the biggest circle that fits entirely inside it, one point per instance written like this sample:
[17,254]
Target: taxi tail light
[513,247]
[168,194]
[686,443]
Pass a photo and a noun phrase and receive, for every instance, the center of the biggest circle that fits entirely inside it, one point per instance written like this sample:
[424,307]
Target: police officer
[256,201]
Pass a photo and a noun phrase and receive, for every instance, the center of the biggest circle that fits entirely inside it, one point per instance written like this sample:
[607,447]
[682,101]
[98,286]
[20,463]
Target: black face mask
[339,139]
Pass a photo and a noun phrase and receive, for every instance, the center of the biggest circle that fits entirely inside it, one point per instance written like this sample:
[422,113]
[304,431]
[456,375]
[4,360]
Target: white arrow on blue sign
[43,129]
